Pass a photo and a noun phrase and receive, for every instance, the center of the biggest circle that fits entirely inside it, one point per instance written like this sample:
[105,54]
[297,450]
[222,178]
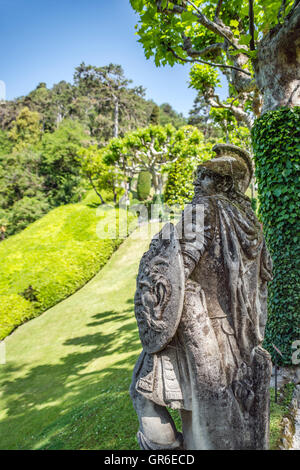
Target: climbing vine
[276,146]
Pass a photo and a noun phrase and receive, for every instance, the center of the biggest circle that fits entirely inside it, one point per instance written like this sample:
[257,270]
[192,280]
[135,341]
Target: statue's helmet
[231,161]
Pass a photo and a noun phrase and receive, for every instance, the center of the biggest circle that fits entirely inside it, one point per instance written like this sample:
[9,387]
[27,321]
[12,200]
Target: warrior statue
[201,310]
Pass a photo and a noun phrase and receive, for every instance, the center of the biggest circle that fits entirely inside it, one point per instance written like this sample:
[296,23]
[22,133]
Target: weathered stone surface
[160,291]
[209,362]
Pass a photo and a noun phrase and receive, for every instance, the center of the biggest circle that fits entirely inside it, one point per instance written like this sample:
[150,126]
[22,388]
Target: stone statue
[201,310]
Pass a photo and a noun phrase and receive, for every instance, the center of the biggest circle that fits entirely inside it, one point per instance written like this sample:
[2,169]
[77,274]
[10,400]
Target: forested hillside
[42,133]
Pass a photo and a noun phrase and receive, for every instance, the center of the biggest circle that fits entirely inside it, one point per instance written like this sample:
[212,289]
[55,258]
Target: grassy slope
[55,255]
[65,384]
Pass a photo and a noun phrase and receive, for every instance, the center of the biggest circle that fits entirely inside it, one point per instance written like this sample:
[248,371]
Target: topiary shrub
[54,257]
[276,146]
[179,187]
[143,185]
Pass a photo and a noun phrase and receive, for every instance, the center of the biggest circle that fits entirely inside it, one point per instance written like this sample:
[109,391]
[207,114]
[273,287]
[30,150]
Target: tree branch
[218,9]
[216,28]
[281,10]
[207,63]
[251,25]
[94,188]
[295,4]
[187,46]
[239,113]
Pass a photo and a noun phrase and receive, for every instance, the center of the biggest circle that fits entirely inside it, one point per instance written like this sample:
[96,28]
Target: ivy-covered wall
[276,146]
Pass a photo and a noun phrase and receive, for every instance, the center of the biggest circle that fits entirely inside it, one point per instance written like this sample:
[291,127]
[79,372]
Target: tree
[22,197]
[152,149]
[193,150]
[100,175]
[5,143]
[40,100]
[59,164]
[26,129]
[117,153]
[143,185]
[254,43]
[110,88]
[251,42]
[200,116]
[154,116]
[169,116]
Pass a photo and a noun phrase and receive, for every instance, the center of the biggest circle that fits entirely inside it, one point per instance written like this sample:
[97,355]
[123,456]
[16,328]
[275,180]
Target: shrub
[26,211]
[144,185]
[14,310]
[179,187]
[276,145]
[52,258]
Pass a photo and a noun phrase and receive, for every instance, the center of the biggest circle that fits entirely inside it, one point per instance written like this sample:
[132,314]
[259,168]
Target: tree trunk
[277,67]
[94,188]
[155,181]
[114,192]
[277,70]
[160,184]
[116,117]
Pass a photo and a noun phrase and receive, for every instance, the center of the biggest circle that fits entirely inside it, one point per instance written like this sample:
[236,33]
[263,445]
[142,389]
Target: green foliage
[68,388]
[26,129]
[14,311]
[278,411]
[25,211]
[169,116]
[22,197]
[218,35]
[113,106]
[36,174]
[276,145]
[154,116]
[179,188]
[152,149]
[42,133]
[102,176]
[160,27]
[143,185]
[6,144]
[203,77]
[91,99]
[54,256]
[59,163]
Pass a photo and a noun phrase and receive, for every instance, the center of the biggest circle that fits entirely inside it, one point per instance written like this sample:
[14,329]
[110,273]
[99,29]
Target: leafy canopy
[162,24]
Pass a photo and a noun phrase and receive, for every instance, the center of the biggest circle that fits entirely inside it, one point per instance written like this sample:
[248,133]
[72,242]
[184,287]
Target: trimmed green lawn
[65,383]
[66,380]
[53,257]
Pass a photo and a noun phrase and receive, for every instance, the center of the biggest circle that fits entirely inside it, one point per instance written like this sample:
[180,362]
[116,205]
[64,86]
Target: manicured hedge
[52,258]
[276,145]
[144,185]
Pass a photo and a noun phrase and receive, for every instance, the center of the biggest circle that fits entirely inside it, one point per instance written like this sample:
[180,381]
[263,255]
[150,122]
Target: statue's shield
[160,290]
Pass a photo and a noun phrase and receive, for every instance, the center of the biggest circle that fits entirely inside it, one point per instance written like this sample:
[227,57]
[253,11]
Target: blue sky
[43,41]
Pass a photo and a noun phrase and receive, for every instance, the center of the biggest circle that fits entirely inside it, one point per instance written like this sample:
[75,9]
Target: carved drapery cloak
[217,341]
